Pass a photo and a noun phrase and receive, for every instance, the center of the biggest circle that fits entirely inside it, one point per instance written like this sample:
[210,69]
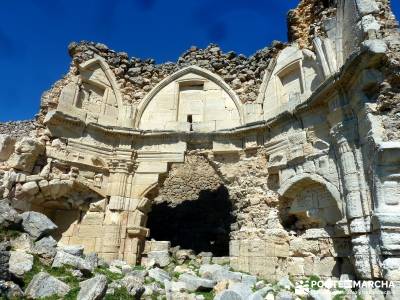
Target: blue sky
[34,35]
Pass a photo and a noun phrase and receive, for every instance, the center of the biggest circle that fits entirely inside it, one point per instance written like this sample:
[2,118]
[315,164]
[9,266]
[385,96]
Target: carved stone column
[344,134]
[386,218]
[125,211]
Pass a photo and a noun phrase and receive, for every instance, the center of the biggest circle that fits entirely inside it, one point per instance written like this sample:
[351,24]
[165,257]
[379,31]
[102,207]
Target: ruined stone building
[287,161]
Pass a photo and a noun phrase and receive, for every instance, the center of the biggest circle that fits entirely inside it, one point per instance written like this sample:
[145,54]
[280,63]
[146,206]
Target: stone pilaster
[344,134]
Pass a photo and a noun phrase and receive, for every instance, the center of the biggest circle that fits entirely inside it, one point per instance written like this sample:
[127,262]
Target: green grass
[313,278]
[340,297]
[119,294]
[110,275]
[7,234]
[138,268]
[63,273]
[207,295]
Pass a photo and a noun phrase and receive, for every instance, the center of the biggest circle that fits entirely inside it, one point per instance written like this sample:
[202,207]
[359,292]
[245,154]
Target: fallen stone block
[93,289]
[37,224]
[65,259]
[20,263]
[159,275]
[44,285]
[196,284]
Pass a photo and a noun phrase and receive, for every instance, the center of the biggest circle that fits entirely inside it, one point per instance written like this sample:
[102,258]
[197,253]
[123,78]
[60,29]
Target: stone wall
[307,182]
[17,129]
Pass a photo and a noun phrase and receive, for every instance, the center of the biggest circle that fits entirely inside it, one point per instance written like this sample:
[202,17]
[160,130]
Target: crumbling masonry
[301,139]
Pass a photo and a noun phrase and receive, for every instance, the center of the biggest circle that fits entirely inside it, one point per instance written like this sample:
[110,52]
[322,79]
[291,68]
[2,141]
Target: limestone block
[133,245]
[123,204]
[375,46]
[7,144]
[270,265]
[63,258]
[354,207]
[111,238]
[303,247]
[98,206]
[243,263]
[391,269]
[160,245]
[259,266]
[25,155]
[326,267]
[43,285]
[369,23]
[31,188]
[90,231]
[234,263]
[93,288]
[366,7]
[282,250]
[20,263]
[37,224]
[194,283]
[234,248]
[244,247]
[68,94]
[152,167]
[256,248]
[360,225]
[339,247]
[161,258]
[316,233]
[89,243]
[92,218]
[136,219]
[296,266]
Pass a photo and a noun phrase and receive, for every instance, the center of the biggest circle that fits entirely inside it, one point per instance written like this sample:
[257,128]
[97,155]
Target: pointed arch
[179,74]
[294,183]
[109,74]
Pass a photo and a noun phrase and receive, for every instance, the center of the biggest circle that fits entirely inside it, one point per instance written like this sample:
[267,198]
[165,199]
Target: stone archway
[191,208]
[311,200]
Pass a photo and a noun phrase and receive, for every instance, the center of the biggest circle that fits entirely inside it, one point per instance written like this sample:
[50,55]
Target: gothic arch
[176,77]
[109,74]
[298,179]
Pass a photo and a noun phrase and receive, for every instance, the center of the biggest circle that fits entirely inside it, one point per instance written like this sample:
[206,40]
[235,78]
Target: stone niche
[192,99]
[295,75]
[93,96]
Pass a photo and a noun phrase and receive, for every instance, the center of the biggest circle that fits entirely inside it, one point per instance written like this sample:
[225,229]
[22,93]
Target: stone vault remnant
[302,138]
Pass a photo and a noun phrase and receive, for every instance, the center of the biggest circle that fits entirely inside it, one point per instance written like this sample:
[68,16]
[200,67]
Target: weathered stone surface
[45,285]
[321,294]
[63,258]
[25,155]
[4,259]
[76,250]
[159,275]
[22,243]
[45,247]
[37,224]
[160,258]
[134,285]
[182,255]
[228,295]
[20,263]
[195,284]
[11,290]
[8,215]
[285,295]
[93,289]
[6,146]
